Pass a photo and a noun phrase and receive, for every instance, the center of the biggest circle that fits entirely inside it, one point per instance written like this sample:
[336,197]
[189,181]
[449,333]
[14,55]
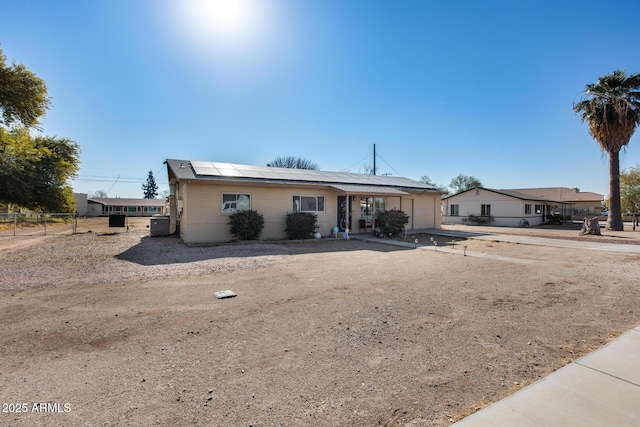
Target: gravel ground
[123,329]
[94,258]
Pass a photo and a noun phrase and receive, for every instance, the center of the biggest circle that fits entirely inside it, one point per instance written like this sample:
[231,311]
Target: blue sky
[481,88]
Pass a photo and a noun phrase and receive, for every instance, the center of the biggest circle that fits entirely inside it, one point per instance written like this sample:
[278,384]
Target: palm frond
[611,109]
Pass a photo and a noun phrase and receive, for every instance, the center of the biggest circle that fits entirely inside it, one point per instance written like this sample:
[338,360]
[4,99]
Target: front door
[407,207]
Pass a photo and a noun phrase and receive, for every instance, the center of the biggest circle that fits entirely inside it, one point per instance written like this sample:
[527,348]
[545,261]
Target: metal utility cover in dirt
[225,294]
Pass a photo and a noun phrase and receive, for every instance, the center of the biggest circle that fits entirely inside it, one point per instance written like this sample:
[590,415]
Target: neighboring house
[102,206]
[584,203]
[203,195]
[510,208]
[82,206]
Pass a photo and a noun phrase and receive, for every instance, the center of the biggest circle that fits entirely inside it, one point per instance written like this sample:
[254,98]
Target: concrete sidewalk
[540,241]
[600,389]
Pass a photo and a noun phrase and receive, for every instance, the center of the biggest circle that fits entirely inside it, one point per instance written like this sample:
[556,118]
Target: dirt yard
[113,329]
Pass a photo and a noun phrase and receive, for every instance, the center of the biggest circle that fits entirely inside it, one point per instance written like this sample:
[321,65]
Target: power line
[110,177]
[358,162]
[109,180]
[116,181]
[100,178]
[398,173]
[164,165]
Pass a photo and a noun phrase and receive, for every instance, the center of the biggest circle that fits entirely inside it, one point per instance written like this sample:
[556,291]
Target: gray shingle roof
[510,193]
[563,194]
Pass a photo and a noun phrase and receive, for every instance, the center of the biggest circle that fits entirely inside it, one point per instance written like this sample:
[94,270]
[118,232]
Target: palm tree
[611,109]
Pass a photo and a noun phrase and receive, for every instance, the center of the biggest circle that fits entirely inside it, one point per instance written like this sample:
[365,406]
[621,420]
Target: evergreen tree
[150,189]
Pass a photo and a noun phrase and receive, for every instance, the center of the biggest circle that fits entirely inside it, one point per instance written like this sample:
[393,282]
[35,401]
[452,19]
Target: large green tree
[611,109]
[630,192]
[463,183]
[293,162]
[23,95]
[34,170]
[426,180]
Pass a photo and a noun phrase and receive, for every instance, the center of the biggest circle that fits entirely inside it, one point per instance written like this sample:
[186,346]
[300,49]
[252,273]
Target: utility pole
[374,159]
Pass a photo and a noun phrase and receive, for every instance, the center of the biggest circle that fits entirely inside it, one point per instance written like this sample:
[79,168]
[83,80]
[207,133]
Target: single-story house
[203,195]
[584,203]
[102,206]
[509,208]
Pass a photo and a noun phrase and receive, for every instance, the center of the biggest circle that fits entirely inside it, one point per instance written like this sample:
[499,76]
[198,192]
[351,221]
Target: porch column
[373,215]
[347,222]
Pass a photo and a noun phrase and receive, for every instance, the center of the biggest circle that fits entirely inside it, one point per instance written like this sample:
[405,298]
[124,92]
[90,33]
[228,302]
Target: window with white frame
[485,210]
[455,210]
[308,203]
[527,208]
[235,202]
[538,209]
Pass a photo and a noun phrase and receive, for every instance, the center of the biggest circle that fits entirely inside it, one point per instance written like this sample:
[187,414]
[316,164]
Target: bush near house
[480,219]
[392,222]
[246,224]
[300,225]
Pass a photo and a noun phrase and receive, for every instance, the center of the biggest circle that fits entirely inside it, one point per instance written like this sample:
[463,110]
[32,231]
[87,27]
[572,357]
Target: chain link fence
[38,224]
[32,224]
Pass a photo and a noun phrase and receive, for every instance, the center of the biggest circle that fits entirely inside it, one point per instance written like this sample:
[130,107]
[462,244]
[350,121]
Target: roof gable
[550,194]
[563,194]
[509,193]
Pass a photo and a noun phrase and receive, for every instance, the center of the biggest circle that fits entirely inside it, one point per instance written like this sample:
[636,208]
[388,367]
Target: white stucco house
[510,208]
[204,194]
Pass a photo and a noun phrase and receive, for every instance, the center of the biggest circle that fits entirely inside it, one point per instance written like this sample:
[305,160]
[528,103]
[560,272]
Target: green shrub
[480,219]
[300,225]
[392,222]
[246,224]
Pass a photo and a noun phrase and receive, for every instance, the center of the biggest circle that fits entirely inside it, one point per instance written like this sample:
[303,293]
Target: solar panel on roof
[219,165]
[229,172]
[219,169]
[206,171]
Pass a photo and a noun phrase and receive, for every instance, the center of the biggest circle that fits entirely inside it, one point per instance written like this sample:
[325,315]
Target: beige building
[583,203]
[204,194]
[520,207]
[104,206]
[506,208]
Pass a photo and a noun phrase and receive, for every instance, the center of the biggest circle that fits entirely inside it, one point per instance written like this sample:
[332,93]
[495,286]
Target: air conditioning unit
[159,226]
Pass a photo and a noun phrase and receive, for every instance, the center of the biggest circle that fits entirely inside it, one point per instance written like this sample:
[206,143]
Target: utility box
[117,220]
[159,226]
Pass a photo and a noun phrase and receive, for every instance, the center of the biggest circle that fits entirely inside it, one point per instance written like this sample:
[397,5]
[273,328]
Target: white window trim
[310,195]
[230,212]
